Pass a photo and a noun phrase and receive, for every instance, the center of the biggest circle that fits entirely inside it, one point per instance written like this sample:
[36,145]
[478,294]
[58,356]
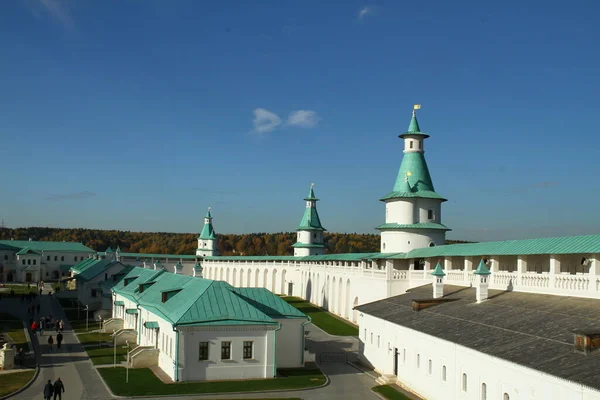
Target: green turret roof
[118,249]
[482,269]
[208,232]
[413,178]
[311,195]
[310,221]
[198,267]
[178,266]
[438,271]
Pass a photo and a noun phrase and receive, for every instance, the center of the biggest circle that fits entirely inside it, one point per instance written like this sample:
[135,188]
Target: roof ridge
[194,302]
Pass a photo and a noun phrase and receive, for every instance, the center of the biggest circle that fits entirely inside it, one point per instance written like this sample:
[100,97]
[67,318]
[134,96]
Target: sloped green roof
[96,269]
[151,325]
[438,271]
[253,258]
[310,220]
[198,267]
[268,303]
[311,195]
[420,225]
[109,250]
[306,245]
[178,266]
[413,128]
[482,269]
[119,303]
[80,266]
[47,246]
[414,169]
[207,232]
[131,311]
[27,250]
[148,255]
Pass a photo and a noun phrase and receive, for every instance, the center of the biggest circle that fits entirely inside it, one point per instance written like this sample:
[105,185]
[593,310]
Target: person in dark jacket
[59,339]
[50,342]
[48,390]
[59,389]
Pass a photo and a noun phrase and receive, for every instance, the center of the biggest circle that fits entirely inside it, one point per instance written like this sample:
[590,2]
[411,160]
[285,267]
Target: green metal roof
[207,232]
[311,195]
[109,250]
[27,250]
[151,324]
[438,271]
[422,194]
[119,303]
[482,269]
[306,245]
[148,255]
[253,258]
[96,269]
[82,265]
[310,220]
[269,303]
[413,128]
[47,246]
[198,267]
[414,170]
[178,266]
[118,249]
[131,311]
[420,225]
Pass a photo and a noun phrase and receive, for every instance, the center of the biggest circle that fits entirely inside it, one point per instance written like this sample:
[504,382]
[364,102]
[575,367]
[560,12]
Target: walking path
[70,363]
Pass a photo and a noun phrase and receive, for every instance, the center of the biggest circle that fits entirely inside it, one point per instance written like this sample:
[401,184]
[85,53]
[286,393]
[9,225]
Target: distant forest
[251,244]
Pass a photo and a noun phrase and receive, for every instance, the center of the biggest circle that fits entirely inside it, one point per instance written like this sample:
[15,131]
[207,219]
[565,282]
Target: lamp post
[127,370]
[87,309]
[115,349]
[99,331]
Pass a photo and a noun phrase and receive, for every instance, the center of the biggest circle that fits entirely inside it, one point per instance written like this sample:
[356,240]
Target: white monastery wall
[435,368]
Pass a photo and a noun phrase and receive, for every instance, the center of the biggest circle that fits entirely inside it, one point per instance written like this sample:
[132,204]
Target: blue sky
[138,115]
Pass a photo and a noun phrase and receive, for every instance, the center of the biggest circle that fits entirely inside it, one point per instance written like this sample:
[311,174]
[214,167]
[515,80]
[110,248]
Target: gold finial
[312,185]
[415,108]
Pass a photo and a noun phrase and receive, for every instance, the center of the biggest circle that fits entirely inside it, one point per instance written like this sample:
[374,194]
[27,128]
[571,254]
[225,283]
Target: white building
[34,261]
[200,329]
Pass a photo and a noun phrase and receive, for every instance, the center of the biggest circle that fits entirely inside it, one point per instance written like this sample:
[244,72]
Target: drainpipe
[304,337]
[279,326]
[139,332]
[176,374]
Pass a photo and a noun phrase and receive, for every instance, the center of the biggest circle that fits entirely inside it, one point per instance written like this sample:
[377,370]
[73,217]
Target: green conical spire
[311,194]
[413,127]
[208,232]
[482,269]
[438,271]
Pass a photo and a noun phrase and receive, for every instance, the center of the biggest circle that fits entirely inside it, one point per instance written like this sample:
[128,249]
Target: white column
[427,265]
[593,272]
[554,269]
[521,269]
[467,268]
[447,263]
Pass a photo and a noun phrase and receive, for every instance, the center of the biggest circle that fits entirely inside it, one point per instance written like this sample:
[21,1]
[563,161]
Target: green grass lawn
[94,337]
[14,381]
[143,382]
[322,318]
[14,328]
[389,392]
[105,355]
[19,290]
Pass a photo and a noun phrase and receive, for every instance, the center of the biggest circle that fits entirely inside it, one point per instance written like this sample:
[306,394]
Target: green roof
[131,311]
[196,301]
[178,266]
[413,178]
[27,250]
[311,195]
[118,249]
[253,258]
[119,303]
[420,225]
[422,194]
[197,267]
[151,324]
[208,232]
[413,128]
[306,245]
[482,269]
[438,271]
[148,255]
[269,303]
[82,265]
[95,269]
[109,250]
[310,220]
[46,246]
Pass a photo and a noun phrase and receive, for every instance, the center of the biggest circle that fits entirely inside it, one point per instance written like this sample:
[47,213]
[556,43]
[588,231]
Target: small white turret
[198,270]
[310,232]
[482,275]
[438,281]
[207,241]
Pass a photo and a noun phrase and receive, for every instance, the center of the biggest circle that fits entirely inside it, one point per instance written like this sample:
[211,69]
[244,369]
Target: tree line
[251,244]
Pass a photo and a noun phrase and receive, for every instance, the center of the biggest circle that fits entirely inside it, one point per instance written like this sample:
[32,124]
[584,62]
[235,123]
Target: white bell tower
[310,232]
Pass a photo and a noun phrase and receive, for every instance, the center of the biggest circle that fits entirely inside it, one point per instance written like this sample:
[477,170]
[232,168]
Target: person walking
[50,342]
[48,390]
[59,339]
[41,325]
[34,327]
[57,325]
[59,389]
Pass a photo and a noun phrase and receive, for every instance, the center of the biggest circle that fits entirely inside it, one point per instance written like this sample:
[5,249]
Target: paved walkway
[70,363]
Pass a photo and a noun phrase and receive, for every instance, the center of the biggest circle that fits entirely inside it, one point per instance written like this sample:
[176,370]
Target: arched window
[444,373]
[430,367]
[506,397]
[431,244]
[464,382]
[483,391]
[418,360]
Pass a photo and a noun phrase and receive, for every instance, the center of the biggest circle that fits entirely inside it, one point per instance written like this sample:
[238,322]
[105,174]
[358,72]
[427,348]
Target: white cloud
[265,121]
[303,118]
[57,9]
[364,12]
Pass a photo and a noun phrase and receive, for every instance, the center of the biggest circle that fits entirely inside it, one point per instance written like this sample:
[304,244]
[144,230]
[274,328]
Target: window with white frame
[483,391]
[506,397]
[464,382]
[248,350]
[443,373]
[418,360]
[430,367]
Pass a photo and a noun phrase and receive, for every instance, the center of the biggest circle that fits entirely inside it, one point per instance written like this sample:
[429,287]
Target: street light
[87,309]
[115,348]
[127,371]
[99,331]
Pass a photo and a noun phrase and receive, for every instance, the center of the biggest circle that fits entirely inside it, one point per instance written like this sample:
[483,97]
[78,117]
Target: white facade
[437,369]
[402,241]
[90,292]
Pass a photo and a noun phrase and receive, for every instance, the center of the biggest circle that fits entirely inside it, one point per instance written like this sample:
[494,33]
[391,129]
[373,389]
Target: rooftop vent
[586,341]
